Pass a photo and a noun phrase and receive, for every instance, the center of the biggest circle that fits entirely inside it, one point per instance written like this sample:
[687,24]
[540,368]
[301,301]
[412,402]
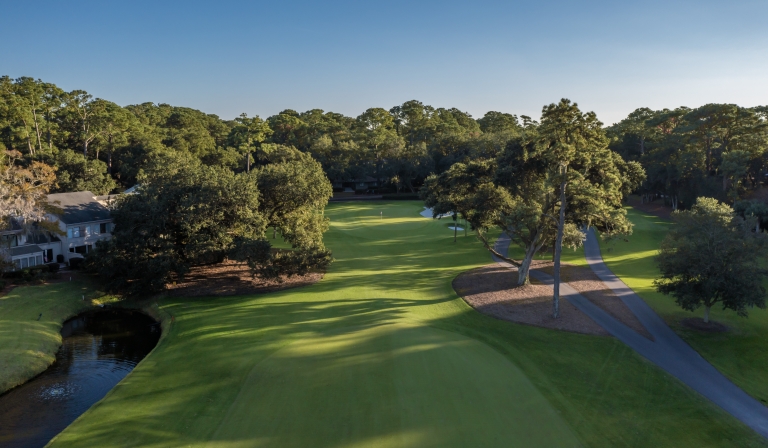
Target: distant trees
[709,258]
[716,150]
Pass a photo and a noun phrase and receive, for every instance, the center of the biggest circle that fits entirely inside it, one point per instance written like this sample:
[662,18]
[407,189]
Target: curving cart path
[667,350]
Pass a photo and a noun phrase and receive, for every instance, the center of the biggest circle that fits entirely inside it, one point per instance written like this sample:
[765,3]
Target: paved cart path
[667,350]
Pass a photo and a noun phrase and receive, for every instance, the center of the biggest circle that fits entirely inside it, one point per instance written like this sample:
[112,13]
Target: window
[31,261]
[17,264]
[105,227]
[95,229]
[72,249]
[80,249]
[73,232]
[9,241]
[24,263]
[39,259]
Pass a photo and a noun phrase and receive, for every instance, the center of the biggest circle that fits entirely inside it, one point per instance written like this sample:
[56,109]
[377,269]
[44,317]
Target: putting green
[382,352]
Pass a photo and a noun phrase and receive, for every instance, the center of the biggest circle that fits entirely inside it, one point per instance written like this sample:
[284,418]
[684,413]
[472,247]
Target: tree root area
[233,278]
[493,290]
[698,324]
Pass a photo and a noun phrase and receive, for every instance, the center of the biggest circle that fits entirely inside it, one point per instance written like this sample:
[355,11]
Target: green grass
[739,354]
[28,346]
[383,353]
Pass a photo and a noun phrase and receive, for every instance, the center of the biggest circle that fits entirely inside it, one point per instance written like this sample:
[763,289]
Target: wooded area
[717,150]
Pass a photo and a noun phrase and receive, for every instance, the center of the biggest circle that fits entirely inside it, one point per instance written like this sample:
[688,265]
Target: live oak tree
[708,258]
[23,197]
[187,214]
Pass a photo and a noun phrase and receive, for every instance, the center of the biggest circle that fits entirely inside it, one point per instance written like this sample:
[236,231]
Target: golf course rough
[381,353]
[739,354]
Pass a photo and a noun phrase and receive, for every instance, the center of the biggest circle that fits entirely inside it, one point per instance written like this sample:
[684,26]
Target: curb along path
[667,351]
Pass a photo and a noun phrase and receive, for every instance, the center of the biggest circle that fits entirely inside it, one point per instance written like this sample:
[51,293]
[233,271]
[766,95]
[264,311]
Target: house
[84,220]
[22,252]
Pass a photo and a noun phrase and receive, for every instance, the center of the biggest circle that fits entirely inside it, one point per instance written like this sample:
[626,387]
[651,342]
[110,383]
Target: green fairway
[28,346]
[739,354]
[383,353]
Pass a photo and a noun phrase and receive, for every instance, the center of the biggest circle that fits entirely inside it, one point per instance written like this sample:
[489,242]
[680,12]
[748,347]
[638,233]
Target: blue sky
[262,57]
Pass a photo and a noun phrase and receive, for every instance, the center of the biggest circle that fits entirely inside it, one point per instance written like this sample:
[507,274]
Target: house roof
[80,206]
[25,249]
[12,228]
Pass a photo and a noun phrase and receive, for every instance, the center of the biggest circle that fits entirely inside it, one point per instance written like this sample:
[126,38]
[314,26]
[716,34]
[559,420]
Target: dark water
[99,349]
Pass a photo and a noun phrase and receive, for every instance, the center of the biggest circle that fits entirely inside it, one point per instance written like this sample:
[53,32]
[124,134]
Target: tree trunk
[37,131]
[558,249]
[274,232]
[706,313]
[455,230]
[48,131]
[248,162]
[523,271]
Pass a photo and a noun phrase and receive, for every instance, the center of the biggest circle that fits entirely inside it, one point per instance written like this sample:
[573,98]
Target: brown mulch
[697,323]
[585,281]
[493,290]
[656,208]
[232,278]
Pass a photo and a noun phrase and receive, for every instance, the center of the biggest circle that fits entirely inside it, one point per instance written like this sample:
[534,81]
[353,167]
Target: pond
[99,349]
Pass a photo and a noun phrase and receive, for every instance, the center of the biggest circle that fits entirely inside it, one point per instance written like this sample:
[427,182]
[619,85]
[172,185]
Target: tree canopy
[708,258]
[187,214]
[522,191]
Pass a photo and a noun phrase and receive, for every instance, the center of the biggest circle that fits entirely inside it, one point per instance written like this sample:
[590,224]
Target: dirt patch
[232,278]
[492,290]
[656,208]
[589,285]
[698,324]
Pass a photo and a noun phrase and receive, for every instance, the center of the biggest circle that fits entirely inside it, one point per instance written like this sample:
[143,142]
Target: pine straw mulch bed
[493,290]
[232,278]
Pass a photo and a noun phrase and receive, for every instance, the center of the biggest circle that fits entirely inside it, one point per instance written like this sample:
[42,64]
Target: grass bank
[740,354]
[28,345]
[383,353]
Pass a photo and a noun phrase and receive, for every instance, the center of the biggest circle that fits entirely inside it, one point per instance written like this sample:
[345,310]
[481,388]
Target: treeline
[717,150]
[99,146]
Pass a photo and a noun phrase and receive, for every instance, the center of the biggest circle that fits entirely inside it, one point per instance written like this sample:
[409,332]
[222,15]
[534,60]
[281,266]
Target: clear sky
[227,57]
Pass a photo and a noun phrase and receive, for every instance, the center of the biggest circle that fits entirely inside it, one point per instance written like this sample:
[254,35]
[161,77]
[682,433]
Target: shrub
[53,267]
[403,196]
[74,263]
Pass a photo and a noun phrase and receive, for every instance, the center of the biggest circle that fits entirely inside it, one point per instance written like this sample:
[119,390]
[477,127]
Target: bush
[74,263]
[53,267]
[28,274]
[2,284]
[403,196]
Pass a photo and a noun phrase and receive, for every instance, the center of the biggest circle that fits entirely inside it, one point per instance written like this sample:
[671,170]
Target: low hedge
[402,196]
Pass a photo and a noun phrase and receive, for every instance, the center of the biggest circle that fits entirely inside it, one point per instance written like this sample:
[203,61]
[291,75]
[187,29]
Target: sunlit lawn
[740,354]
[28,345]
[383,353]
